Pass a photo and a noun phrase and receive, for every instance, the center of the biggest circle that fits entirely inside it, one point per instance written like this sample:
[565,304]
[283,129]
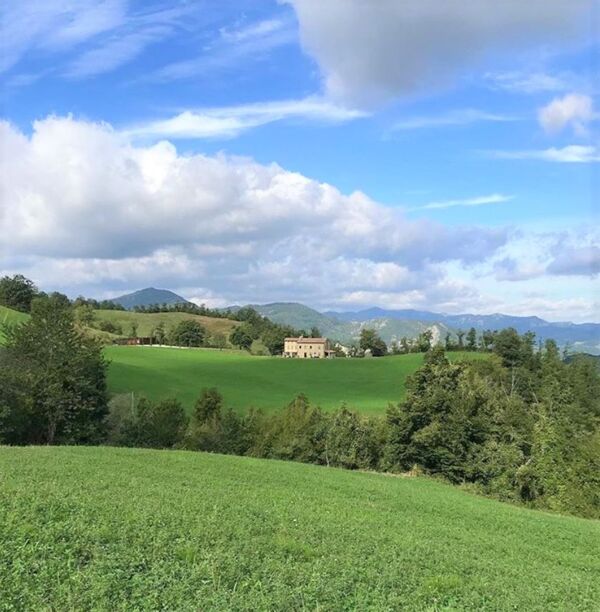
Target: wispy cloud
[27,26]
[464,116]
[115,53]
[229,121]
[570,154]
[494,198]
[529,82]
[231,48]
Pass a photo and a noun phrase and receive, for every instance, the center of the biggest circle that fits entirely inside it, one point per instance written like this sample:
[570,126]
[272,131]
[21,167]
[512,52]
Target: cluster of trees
[52,379]
[17,292]
[256,327]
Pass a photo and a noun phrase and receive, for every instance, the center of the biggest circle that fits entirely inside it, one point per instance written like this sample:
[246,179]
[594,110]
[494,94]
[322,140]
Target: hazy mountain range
[394,324]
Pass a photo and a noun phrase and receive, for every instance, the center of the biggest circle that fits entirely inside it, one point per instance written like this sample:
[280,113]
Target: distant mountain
[580,336]
[393,324]
[303,317]
[147,297]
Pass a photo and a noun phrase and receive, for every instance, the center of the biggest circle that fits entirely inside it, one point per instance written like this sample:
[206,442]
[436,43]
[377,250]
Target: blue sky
[343,155]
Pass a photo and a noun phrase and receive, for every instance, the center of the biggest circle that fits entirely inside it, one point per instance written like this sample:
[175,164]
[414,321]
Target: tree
[134,328]
[472,340]
[56,377]
[154,425]
[17,292]
[370,340]
[424,341]
[218,340]
[242,337]
[315,332]
[188,333]
[85,315]
[159,333]
[461,334]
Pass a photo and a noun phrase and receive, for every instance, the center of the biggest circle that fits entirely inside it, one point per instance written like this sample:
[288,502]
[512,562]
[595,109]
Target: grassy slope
[91,528]
[10,317]
[146,322]
[263,382]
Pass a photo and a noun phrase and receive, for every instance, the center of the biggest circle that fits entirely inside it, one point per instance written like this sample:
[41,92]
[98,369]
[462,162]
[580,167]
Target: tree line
[522,425]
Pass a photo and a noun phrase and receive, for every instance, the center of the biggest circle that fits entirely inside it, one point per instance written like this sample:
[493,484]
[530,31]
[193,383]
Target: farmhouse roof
[304,340]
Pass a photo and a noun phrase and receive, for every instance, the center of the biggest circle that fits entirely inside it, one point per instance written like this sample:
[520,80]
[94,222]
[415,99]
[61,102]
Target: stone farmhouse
[307,348]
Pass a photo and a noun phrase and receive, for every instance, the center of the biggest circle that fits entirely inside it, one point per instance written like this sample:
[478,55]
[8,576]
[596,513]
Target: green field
[10,317]
[115,529]
[368,385]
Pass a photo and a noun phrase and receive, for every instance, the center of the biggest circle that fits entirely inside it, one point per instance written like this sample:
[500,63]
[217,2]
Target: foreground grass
[270,383]
[108,529]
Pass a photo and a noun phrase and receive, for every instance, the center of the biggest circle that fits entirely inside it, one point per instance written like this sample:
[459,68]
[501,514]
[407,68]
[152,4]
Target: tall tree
[58,375]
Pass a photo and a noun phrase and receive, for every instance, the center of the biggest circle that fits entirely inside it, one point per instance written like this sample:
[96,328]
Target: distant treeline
[523,425]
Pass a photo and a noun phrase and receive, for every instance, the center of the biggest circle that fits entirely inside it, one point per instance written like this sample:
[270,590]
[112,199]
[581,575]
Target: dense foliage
[17,292]
[52,379]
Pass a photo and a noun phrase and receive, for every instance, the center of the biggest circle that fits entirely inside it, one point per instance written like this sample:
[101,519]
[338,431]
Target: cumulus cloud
[371,52]
[574,110]
[86,207]
[576,261]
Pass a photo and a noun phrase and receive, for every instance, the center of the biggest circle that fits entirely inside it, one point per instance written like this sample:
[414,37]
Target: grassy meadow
[122,529]
[367,385]
[10,317]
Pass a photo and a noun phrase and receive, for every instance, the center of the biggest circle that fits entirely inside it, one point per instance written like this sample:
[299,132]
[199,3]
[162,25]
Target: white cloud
[370,52]
[571,154]
[232,120]
[465,116]
[83,209]
[232,48]
[35,25]
[494,198]
[575,110]
[529,82]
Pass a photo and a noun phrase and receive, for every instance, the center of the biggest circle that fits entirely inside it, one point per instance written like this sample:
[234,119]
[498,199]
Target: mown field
[122,529]
[147,322]
[269,383]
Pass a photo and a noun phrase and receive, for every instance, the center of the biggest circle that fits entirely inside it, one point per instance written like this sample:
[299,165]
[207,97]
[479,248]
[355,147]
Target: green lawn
[121,529]
[270,383]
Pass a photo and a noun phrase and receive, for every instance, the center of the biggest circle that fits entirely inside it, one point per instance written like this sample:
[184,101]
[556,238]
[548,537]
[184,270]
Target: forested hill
[148,297]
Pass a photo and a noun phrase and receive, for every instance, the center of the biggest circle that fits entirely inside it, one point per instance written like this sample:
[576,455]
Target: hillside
[10,317]
[148,297]
[147,322]
[106,528]
[368,385]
